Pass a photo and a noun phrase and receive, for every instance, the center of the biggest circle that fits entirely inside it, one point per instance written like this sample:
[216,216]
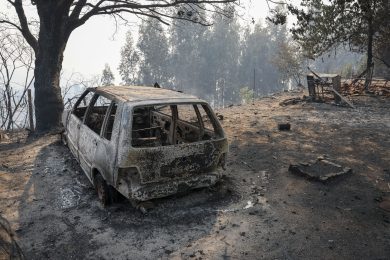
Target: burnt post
[30,110]
[311,86]
[254,85]
[336,82]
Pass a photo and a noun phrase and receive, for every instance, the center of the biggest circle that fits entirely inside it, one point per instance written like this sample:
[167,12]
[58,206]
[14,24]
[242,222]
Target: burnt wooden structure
[321,85]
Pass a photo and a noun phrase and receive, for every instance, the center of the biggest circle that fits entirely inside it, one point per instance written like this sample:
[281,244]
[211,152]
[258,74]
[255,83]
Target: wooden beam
[342,98]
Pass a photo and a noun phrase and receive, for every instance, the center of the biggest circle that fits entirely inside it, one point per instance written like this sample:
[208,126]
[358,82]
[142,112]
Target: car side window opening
[151,126]
[170,124]
[110,121]
[97,112]
[210,125]
[188,127]
[82,104]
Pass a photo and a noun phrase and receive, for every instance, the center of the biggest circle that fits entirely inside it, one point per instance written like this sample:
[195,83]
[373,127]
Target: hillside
[259,210]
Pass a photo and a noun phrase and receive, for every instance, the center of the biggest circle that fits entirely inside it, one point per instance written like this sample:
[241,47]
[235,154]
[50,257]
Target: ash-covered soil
[258,211]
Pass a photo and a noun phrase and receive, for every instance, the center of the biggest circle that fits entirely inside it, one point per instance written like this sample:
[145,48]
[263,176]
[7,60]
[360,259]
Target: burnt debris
[321,170]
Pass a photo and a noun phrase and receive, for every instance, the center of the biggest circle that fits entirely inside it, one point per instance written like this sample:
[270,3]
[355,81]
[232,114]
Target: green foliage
[259,48]
[128,66]
[347,71]
[187,43]
[322,24]
[246,95]
[361,25]
[154,53]
[107,76]
[210,62]
[289,61]
[222,54]
[335,60]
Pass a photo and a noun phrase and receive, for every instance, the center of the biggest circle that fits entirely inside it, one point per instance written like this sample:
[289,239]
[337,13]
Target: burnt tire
[114,195]
[103,190]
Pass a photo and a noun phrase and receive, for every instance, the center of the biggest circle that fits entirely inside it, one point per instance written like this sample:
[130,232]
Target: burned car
[145,142]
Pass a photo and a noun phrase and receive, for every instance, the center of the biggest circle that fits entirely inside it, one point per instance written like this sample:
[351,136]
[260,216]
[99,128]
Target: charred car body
[145,142]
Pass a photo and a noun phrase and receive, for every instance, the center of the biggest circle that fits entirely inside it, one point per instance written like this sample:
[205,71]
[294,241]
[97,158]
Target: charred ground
[259,210]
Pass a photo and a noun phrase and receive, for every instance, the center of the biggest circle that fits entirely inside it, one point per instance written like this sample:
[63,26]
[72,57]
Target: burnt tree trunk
[53,36]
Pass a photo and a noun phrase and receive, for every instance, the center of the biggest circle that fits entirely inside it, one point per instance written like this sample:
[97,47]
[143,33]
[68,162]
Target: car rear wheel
[103,190]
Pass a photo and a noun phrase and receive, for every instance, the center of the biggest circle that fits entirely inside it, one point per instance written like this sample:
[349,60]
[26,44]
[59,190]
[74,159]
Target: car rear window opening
[170,124]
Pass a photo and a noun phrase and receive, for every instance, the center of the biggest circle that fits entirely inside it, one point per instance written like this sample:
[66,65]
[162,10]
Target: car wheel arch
[97,170]
[113,194]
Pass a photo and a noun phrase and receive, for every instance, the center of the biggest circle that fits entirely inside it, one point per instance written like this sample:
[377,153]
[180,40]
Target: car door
[75,120]
[106,152]
[89,134]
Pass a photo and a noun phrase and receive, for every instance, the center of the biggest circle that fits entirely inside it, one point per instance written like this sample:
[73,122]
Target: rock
[385,204]
[284,126]
[292,232]
[320,170]
[331,244]
[220,117]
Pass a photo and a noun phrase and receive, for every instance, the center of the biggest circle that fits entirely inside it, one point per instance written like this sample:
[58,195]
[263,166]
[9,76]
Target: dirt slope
[258,211]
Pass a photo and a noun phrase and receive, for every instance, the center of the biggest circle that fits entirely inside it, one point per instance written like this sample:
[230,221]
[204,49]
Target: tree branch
[18,5]
[382,60]
[77,9]
[11,23]
[117,6]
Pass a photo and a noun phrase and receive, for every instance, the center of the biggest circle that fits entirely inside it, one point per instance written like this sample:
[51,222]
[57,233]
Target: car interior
[94,118]
[162,125]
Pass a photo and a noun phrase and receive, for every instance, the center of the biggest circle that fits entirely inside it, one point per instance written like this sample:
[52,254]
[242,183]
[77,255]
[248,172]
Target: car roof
[142,93]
